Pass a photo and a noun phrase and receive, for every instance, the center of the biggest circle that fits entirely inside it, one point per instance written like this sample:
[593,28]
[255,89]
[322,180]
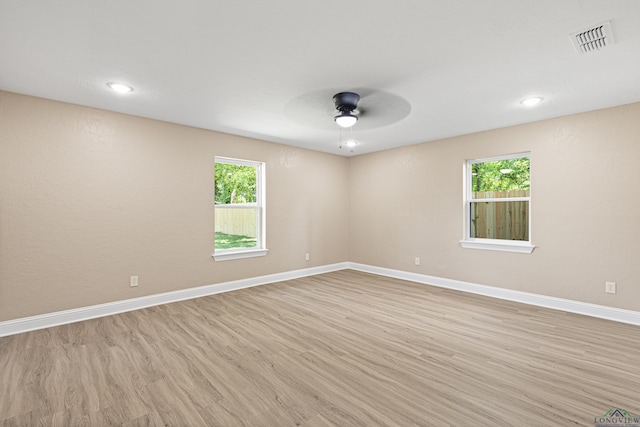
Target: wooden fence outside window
[236,220]
[508,220]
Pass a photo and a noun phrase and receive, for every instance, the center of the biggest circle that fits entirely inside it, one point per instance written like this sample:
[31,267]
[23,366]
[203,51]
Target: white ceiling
[426,69]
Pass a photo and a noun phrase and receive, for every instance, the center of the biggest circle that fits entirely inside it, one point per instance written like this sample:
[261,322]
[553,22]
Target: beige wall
[89,198]
[407,203]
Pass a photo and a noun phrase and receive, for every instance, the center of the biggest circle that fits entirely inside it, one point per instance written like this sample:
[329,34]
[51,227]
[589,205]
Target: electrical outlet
[417,261]
[610,287]
[134,281]
[306,257]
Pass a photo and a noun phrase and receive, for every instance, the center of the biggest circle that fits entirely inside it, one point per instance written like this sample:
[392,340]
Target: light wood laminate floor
[338,349]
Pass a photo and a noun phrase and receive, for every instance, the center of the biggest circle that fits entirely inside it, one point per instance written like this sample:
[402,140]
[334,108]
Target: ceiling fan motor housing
[346,101]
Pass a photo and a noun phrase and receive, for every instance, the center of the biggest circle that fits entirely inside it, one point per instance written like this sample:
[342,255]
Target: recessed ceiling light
[350,143]
[530,102]
[119,87]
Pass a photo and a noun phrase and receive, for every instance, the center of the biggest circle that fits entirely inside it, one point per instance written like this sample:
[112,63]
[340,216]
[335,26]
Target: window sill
[231,254]
[492,245]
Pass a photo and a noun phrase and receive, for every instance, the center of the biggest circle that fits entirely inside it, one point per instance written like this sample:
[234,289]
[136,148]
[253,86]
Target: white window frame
[259,205]
[503,245]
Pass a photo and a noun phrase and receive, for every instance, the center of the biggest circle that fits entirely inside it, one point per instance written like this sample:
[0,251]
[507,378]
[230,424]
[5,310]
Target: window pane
[236,227]
[234,183]
[500,220]
[501,178]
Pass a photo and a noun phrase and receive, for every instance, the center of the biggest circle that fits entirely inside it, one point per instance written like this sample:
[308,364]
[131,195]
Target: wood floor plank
[338,349]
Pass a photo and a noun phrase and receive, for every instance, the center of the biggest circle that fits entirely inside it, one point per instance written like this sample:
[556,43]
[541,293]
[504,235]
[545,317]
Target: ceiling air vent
[595,38]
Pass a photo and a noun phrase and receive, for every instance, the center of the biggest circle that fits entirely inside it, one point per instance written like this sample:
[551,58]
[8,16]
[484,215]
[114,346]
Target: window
[239,209]
[497,204]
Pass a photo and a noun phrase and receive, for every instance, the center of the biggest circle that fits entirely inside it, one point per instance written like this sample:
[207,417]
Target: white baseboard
[571,306]
[48,320]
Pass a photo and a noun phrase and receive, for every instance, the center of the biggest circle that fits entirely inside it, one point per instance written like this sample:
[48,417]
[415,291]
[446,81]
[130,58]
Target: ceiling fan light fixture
[345,119]
[346,103]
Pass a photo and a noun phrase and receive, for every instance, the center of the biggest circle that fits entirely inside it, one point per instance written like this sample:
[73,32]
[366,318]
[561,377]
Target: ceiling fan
[369,108]
[346,103]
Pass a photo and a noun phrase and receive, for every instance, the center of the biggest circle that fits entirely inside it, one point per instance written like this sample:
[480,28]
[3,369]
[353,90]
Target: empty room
[286,213]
